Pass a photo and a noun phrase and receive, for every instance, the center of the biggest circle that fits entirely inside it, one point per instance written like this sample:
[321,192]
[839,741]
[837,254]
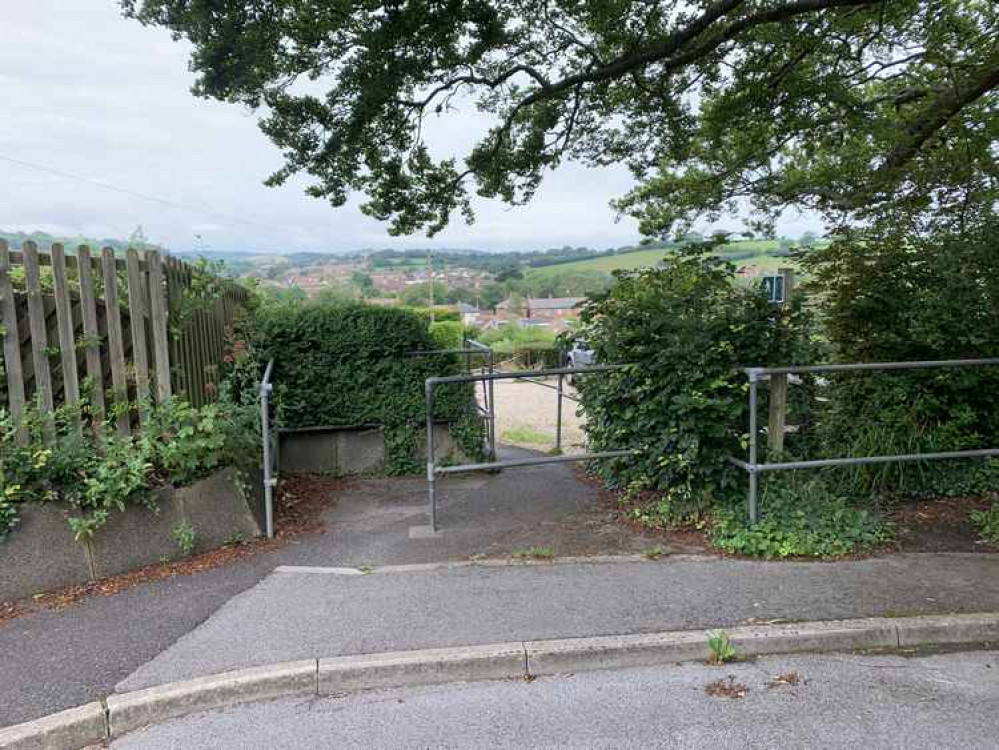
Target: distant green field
[763,259]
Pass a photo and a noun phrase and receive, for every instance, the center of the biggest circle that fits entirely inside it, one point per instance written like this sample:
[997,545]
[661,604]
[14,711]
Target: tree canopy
[847,107]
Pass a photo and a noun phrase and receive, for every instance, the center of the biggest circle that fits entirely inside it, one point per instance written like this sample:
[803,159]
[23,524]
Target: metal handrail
[754,468]
[859,366]
[270,478]
[433,470]
[525,374]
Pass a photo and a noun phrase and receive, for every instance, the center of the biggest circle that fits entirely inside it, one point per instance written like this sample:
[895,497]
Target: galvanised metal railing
[754,468]
[433,470]
[270,454]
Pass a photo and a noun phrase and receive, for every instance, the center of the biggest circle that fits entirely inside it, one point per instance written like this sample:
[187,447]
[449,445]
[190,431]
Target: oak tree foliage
[848,107]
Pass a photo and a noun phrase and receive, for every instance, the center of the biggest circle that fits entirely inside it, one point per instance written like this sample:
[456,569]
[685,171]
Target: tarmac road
[839,701]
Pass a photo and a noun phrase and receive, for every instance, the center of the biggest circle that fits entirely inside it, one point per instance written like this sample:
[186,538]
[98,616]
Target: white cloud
[89,93]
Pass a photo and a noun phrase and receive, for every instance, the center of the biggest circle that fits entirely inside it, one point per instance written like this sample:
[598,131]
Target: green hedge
[448,334]
[349,364]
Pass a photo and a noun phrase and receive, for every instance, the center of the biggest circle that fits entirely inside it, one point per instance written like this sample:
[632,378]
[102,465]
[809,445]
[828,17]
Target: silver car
[581,355]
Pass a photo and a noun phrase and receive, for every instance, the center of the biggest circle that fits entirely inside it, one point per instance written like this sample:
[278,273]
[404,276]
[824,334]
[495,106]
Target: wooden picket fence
[130,326]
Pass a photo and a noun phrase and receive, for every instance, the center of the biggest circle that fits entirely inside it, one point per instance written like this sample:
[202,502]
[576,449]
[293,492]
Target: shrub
[97,473]
[908,294]
[448,334]
[186,442]
[533,346]
[683,331]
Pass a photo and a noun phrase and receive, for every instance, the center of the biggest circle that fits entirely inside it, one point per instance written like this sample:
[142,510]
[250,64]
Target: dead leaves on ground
[726,688]
[729,688]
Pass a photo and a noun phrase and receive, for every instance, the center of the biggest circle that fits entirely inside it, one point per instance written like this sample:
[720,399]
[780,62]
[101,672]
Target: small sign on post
[778,288]
[774,288]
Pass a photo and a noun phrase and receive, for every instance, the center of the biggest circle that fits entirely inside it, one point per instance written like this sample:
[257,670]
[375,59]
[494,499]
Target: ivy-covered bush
[352,364]
[684,331]
[801,518]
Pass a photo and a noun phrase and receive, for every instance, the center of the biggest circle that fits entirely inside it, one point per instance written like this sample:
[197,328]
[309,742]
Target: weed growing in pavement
[722,650]
[654,553]
[185,536]
[534,553]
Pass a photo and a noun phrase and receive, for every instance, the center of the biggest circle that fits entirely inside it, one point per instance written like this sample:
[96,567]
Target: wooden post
[137,320]
[158,311]
[777,421]
[11,337]
[116,340]
[64,322]
[91,334]
[36,321]
[174,291]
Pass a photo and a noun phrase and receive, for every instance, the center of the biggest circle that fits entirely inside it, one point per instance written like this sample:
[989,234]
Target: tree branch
[945,106]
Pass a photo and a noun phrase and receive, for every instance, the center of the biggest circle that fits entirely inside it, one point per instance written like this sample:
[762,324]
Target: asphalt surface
[54,660]
[293,615]
[842,701]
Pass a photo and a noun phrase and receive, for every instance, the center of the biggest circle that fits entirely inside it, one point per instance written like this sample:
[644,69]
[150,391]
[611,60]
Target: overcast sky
[90,94]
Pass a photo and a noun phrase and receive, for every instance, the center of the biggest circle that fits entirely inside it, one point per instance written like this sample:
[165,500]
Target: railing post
[265,430]
[492,407]
[753,475]
[558,418]
[431,469]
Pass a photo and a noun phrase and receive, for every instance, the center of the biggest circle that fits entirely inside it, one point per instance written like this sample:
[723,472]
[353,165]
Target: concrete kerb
[73,728]
[424,667]
[122,713]
[130,711]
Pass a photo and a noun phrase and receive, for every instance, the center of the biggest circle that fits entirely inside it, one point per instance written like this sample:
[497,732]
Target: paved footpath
[54,660]
[839,701]
[300,613]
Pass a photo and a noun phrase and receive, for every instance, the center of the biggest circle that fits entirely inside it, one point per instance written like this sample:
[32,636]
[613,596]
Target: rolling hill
[760,253]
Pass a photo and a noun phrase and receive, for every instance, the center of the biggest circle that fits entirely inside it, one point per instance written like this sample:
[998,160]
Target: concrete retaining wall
[343,451]
[40,554]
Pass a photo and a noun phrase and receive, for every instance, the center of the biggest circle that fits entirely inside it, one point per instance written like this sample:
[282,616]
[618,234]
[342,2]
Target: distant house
[542,311]
[469,314]
[553,308]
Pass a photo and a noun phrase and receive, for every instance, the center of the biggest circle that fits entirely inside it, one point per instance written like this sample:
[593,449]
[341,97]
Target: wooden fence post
[777,421]
[116,341]
[64,323]
[158,312]
[36,322]
[137,320]
[91,335]
[11,337]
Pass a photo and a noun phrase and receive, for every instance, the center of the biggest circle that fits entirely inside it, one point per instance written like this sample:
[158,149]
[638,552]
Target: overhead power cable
[143,196]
